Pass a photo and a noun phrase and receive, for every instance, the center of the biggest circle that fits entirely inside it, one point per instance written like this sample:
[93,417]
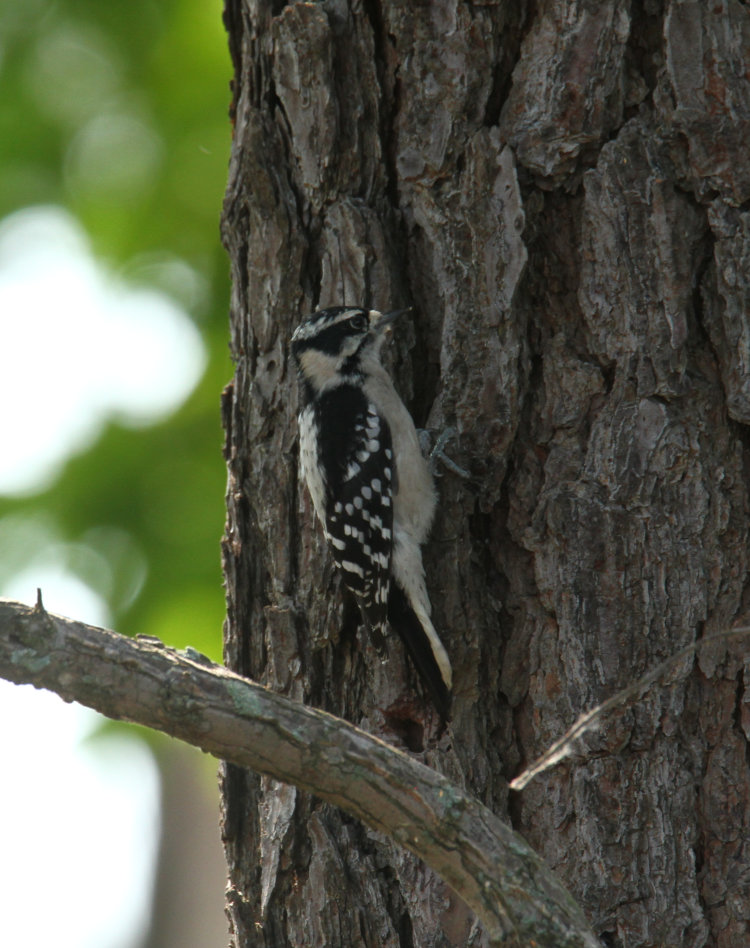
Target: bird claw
[438,454]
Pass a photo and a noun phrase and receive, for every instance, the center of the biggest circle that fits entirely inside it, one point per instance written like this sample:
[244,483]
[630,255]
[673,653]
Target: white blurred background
[114,141]
[81,803]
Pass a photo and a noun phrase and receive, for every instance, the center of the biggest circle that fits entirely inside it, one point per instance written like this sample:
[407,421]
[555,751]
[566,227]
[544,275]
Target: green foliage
[118,111]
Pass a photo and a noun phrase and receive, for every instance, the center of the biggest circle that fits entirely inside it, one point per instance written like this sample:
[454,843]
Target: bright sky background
[77,346]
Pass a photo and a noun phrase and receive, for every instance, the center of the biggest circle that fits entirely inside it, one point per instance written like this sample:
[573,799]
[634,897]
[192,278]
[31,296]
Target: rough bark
[560,190]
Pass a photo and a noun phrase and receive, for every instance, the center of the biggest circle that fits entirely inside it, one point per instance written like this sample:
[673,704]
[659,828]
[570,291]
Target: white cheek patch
[318,366]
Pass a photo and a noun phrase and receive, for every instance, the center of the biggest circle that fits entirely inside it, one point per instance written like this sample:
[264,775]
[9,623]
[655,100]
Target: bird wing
[359,501]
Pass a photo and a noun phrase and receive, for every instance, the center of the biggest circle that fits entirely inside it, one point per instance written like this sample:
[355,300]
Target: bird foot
[436,453]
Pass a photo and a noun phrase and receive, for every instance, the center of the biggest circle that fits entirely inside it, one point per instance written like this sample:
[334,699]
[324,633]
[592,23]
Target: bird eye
[358,322]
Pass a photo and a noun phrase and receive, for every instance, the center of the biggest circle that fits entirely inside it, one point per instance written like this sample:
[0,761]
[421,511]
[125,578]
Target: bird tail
[413,624]
[376,632]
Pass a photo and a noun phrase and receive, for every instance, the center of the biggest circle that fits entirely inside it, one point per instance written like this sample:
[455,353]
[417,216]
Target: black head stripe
[330,340]
[326,330]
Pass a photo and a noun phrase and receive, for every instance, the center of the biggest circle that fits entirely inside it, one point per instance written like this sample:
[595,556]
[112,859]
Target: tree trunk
[559,190]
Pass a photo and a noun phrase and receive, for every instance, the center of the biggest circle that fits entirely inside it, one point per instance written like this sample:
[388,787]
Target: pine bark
[560,190]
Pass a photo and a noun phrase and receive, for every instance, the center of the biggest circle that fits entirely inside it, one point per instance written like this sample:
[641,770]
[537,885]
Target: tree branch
[565,746]
[188,697]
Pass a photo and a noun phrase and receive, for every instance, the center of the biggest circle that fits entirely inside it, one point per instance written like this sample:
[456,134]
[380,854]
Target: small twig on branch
[493,870]
[566,745]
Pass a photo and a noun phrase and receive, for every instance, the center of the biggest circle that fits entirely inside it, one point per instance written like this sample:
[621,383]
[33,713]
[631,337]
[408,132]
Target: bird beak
[387,319]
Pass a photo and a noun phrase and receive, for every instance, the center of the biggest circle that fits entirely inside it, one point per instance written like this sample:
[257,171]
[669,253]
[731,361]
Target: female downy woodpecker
[370,486]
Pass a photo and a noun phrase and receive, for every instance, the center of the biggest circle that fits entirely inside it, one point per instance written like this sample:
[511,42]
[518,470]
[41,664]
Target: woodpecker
[370,485]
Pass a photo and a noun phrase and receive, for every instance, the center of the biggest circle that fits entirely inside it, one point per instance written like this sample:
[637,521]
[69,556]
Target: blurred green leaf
[118,112]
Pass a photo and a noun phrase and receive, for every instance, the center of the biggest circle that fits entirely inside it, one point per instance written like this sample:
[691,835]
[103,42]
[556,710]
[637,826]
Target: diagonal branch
[565,746]
[188,697]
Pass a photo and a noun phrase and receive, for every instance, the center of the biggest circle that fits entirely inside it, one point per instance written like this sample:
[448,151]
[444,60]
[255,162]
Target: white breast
[414,497]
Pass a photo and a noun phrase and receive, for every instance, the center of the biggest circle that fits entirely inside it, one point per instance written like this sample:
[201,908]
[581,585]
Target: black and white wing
[356,454]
